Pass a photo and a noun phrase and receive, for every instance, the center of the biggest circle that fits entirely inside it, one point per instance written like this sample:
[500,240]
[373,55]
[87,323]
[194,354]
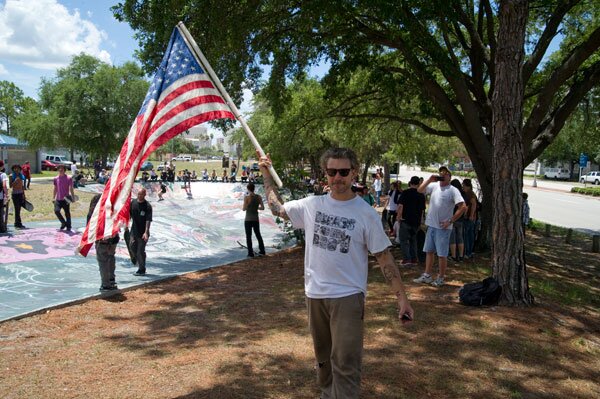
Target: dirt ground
[240,331]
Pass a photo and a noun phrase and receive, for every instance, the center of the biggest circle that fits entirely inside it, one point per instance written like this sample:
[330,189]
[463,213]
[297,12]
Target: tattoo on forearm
[273,198]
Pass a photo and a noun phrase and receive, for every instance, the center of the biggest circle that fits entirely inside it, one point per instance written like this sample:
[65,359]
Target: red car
[47,165]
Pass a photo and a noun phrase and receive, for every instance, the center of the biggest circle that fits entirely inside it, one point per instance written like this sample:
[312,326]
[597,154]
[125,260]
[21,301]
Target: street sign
[583,159]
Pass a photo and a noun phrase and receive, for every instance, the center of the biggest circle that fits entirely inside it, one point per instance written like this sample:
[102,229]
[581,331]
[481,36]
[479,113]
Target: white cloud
[43,34]
[3,70]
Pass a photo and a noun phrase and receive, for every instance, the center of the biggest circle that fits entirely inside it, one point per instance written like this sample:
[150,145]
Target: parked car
[47,165]
[255,167]
[58,160]
[186,158]
[556,173]
[591,177]
[147,165]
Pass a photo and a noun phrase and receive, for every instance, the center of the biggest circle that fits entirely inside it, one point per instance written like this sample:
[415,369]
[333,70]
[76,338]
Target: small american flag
[181,96]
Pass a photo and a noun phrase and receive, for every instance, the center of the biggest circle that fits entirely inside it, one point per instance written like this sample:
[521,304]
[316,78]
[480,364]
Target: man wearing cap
[63,196]
[26,168]
[443,199]
[17,184]
[3,196]
[410,214]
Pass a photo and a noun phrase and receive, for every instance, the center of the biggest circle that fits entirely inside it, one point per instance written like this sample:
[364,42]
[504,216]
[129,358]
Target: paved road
[550,202]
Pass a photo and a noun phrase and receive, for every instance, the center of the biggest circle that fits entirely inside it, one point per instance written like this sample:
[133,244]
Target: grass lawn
[239,331]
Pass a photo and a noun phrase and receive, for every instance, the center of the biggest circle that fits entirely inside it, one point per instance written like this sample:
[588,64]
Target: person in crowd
[180,175]
[244,175]
[140,212]
[411,206]
[443,200]
[17,185]
[225,177]
[105,254]
[469,218]
[195,176]
[163,175]
[251,177]
[145,176]
[213,176]
[97,168]
[367,196]
[377,185]
[79,179]
[153,175]
[392,204]
[526,211]
[341,229]
[161,191]
[103,176]
[3,196]
[252,204]
[457,244]
[73,170]
[63,195]
[26,170]
[171,176]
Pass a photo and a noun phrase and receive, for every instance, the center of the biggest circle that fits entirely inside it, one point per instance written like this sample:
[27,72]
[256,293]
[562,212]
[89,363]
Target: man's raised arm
[273,198]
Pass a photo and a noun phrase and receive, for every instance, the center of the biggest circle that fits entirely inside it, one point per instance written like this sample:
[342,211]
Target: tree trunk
[508,258]
[366,171]
[386,177]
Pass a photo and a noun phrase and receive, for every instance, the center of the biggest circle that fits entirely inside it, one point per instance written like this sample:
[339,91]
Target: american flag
[181,96]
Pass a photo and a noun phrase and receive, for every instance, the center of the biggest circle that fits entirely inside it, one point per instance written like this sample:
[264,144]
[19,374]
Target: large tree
[89,106]
[12,102]
[444,51]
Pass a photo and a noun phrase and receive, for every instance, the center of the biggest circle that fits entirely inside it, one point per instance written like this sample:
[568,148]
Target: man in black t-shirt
[410,214]
[140,212]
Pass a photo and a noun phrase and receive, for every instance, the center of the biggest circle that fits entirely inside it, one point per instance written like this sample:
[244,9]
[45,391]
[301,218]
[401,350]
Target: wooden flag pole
[204,63]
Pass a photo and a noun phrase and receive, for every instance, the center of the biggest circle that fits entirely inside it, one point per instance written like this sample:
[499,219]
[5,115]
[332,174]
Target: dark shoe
[108,289]
[262,253]
[19,226]
[250,255]
[140,273]
[63,226]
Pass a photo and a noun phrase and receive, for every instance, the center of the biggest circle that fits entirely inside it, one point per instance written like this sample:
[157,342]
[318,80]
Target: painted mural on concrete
[39,268]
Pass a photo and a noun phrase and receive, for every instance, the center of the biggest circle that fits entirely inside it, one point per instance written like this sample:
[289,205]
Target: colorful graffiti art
[39,268]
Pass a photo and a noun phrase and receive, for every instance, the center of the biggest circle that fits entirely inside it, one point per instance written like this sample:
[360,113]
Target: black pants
[249,226]
[58,205]
[391,218]
[2,224]
[18,202]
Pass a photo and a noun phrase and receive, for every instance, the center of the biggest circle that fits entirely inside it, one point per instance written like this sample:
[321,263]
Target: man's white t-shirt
[441,204]
[3,183]
[73,168]
[339,235]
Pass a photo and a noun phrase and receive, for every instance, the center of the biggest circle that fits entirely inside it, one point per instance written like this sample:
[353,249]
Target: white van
[556,173]
[186,158]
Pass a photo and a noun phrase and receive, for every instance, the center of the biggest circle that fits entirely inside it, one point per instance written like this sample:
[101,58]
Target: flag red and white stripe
[181,96]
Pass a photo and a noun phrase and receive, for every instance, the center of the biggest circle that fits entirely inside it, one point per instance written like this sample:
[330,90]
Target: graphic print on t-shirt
[330,232]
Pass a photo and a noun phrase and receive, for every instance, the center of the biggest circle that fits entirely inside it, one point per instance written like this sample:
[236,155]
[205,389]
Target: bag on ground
[486,292]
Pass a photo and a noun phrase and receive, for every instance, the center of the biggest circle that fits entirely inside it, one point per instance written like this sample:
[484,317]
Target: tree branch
[395,118]
[564,71]
[544,41]
[551,127]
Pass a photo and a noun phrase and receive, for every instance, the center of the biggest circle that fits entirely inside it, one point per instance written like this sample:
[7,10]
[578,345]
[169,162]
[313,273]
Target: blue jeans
[469,232]
[378,197]
[408,241]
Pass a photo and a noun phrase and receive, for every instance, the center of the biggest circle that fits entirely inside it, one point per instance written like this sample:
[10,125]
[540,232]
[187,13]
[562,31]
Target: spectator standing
[392,204]
[17,184]
[340,232]
[3,196]
[26,169]
[470,218]
[457,243]
[140,212]
[367,196]
[377,188]
[105,254]
[252,204]
[410,214]
[443,199]
[63,195]
[73,169]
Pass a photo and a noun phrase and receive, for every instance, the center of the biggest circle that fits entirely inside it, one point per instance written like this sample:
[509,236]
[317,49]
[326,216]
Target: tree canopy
[12,102]
[89,106]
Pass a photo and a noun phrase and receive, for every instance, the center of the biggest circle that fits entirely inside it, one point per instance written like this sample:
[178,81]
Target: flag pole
[204,63]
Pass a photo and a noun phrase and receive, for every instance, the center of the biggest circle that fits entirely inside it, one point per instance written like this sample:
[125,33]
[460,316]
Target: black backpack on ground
[486,292]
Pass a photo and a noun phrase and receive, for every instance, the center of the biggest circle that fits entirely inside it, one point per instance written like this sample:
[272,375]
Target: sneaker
[262,253]
[108,289]
[424,279]
[63,226]
[438,282]
[406,262]
[140,273]
[250,255]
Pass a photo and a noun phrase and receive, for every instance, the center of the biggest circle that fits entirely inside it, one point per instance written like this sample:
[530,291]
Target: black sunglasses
[331,172]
